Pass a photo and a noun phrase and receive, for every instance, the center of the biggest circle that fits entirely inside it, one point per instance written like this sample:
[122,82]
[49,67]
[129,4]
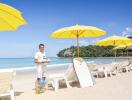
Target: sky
[46,16]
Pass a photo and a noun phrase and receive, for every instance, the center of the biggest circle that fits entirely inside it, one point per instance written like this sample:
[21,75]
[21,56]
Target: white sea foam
[48,66]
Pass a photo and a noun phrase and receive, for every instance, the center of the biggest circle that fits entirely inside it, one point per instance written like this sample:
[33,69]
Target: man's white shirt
[40,56]
[41,68]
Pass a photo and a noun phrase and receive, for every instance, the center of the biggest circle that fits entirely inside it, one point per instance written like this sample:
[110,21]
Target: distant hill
[90,51]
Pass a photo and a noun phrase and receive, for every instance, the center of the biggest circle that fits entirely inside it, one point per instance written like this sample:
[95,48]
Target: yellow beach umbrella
[78,31]
[127,46]
[119,47]
[114,41]
[10,18]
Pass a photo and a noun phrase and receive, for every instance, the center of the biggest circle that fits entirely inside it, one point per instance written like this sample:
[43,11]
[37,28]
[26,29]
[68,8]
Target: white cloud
[127,32]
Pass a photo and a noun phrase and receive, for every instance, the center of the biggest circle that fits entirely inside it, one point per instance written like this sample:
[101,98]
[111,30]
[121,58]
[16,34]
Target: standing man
[41,61]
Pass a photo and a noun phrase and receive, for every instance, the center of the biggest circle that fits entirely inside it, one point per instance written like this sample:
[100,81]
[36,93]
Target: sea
[55,62]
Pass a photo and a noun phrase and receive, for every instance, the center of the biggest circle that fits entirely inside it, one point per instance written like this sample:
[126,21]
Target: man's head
[41,47]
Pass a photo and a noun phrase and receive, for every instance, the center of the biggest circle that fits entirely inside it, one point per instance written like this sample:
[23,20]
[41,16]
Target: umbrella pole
[127,55]
[77,45]
[115,51]
[115,55]
[127,52]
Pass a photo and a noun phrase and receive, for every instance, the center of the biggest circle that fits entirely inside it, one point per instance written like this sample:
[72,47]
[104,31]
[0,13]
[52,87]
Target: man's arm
[38,62]
[36,59]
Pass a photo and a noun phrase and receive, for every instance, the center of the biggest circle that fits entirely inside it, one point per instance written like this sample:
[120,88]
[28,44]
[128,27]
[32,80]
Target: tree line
[92,51]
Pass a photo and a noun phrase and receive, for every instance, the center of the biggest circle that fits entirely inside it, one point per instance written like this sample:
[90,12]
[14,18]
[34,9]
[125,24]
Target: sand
[117,87]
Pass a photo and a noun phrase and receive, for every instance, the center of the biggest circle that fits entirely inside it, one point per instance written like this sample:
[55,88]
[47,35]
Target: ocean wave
[64,65]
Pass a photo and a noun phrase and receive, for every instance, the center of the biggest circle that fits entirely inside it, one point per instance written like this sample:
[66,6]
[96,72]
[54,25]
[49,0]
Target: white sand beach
[75,39]
[112,88]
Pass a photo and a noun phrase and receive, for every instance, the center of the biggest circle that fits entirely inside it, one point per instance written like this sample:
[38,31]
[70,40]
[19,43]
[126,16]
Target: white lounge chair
[127,66]
[122,65]
[68,76]
[104,69]
[110,69]
[6,88]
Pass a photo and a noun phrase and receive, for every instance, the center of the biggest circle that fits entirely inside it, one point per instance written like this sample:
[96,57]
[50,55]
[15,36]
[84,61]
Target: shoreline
[51,66]
[65,65]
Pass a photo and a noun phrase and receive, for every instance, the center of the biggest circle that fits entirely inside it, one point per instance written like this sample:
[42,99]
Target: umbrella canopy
[114,41]
[78,31]
[10,18]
